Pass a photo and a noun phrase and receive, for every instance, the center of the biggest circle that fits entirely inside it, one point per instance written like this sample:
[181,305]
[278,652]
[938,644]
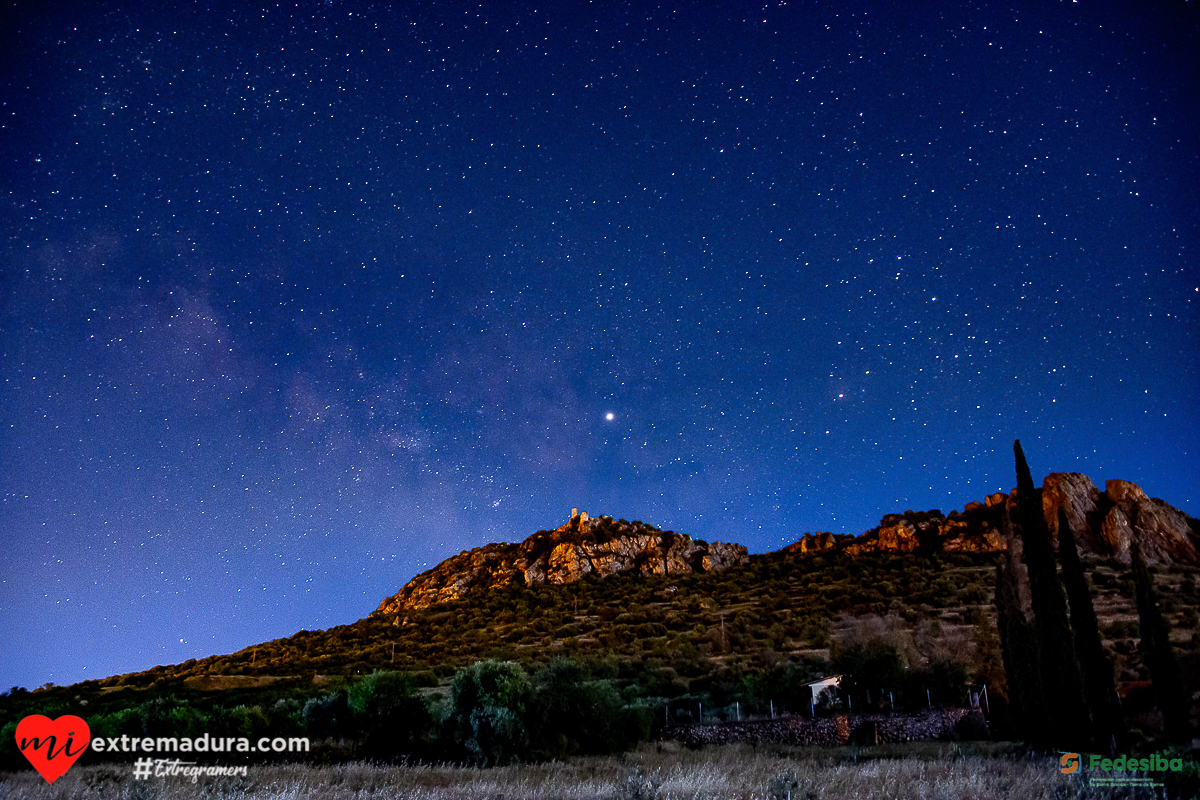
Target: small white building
[830,684]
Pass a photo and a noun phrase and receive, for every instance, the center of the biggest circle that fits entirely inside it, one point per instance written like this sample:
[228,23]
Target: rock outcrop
[1164,533]
[584,546]
[817,542]
[1104,523]
[1082,500]
[976,529]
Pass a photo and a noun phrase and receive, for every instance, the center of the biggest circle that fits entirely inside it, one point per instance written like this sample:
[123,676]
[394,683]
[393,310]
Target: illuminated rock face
[584,546]
[1166,535]
[817,542]
[1078,496]
[1105,523]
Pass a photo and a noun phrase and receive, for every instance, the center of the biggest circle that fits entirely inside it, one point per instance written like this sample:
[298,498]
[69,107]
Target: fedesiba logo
[1070,763]
[1155,763]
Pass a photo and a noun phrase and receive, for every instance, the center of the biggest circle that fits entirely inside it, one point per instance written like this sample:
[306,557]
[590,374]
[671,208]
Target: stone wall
[836,730]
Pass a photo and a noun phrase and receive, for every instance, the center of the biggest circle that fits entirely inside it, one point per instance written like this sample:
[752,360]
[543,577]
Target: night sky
[299,299]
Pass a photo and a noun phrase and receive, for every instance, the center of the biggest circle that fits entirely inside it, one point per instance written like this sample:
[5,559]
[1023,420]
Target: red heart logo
[50,744]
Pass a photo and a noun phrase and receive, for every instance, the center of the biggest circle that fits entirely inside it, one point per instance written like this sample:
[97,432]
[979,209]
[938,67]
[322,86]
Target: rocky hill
[584,546]
[1105,524]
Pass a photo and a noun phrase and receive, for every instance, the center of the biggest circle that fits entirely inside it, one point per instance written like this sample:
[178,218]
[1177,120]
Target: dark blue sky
[299,299]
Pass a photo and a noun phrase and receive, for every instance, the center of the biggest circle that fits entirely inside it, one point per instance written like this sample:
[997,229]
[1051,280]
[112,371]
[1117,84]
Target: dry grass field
[929,770]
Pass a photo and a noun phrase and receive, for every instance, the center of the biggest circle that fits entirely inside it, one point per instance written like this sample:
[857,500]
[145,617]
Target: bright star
[610,416]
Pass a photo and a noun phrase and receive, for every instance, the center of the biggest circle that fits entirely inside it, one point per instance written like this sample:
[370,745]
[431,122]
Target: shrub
[485,715]
[327,716]
[869,669]
[389,715]
[816,632]
[570,714]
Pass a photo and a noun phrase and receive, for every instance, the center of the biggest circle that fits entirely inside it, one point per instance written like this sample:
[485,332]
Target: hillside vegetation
[636,653]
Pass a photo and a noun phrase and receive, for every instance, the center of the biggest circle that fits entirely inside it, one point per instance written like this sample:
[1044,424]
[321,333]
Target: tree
[326,716]
[947,680]
[1018,647]
[1094,665]
[869,669]
[486,712]
[569,713]
[988,663]
[1062,686]
[1158,653]
[389,715]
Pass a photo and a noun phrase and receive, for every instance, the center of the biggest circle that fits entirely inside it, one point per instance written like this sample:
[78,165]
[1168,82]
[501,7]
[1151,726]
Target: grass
[666,772]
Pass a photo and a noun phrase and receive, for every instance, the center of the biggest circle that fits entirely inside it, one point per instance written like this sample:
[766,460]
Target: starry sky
[300,298]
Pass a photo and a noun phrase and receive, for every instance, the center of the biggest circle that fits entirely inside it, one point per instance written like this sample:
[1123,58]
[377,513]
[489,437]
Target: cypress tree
[1018,649]
[1158,653]
[1099,687]
[1057,666]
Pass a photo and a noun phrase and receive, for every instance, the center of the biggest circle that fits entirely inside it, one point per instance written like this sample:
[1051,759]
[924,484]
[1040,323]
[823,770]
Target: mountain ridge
[919,565]
[1105,523]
